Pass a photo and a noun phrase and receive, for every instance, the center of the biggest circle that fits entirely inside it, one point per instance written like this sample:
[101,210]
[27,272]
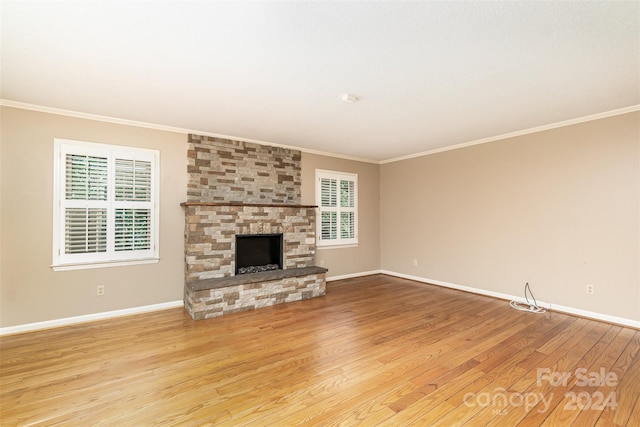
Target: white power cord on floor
[528,307]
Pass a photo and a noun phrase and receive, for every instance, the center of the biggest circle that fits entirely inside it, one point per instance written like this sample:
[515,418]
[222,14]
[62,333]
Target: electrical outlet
[590,289]
[415,262]
[321,263]
[100,290]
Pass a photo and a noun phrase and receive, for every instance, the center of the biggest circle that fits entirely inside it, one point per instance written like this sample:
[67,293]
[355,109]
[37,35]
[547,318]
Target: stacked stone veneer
[223,170]
[236,188]
[210,236]
[211,300]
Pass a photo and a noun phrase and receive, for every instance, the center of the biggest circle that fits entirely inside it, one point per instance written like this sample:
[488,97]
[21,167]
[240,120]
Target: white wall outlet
[415,262]
[590,289]
[321,263]
[100,290]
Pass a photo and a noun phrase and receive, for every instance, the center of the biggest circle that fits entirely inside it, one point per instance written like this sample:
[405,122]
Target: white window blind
[337,199]
[105,207]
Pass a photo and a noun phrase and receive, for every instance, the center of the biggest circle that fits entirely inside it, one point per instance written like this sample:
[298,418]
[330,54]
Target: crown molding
[116,120]
[536,129]
[126,122]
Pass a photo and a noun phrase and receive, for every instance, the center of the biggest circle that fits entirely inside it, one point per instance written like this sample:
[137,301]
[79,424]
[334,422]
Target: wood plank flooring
[376,350]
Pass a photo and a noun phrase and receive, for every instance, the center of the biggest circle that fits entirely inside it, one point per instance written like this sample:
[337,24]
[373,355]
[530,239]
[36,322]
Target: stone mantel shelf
[264,276]
[259,205]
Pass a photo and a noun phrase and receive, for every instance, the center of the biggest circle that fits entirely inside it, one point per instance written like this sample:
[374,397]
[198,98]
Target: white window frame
[110,258]
[339,241]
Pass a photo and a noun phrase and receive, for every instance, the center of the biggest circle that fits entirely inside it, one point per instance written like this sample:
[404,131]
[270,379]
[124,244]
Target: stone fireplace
[238,189]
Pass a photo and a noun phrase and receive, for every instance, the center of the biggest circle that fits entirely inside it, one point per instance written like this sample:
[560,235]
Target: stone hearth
[216,297]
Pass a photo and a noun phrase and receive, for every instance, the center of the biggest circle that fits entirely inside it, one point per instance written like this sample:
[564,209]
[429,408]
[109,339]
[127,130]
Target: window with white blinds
[105,204]
[337,199]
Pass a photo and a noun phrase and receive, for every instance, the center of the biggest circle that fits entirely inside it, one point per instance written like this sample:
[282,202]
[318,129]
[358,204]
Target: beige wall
[364,257]
[558,209]
[30,291]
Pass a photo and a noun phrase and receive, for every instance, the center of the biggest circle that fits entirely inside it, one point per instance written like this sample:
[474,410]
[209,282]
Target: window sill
[85,266]
[345,246]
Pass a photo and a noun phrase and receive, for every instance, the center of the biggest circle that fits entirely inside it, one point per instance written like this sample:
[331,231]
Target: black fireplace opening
[256,253]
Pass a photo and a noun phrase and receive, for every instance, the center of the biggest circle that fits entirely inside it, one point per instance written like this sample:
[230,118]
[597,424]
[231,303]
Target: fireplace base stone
[205,299]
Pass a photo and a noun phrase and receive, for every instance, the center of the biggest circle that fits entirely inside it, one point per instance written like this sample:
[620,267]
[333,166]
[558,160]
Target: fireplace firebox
[256,253]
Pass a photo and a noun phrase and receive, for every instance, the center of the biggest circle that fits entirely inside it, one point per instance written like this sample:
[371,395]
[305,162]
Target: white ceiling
[428,74]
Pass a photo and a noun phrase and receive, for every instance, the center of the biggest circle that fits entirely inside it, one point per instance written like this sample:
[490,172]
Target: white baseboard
[174,304]
[88,318]
[555,307]
[352,275]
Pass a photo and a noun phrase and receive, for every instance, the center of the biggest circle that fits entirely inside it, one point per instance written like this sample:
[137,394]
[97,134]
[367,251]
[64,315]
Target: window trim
[339,242]
[111,258]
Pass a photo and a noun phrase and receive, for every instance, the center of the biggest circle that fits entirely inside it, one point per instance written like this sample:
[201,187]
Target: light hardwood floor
[375,350]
